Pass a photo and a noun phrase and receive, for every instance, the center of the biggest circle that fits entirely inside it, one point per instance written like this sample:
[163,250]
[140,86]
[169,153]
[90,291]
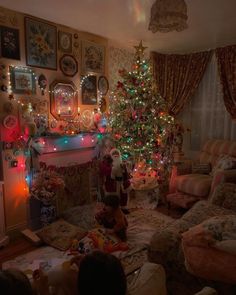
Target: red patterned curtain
[226,59]
[177,76]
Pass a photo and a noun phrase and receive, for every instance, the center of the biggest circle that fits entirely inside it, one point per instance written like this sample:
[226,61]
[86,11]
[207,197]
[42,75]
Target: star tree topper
[140,50]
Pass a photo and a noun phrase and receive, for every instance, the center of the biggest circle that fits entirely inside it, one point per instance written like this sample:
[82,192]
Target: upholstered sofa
[199,178]
[165,246]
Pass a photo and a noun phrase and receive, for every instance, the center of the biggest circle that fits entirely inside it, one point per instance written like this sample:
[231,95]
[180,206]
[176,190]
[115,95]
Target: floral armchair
[216,163]
[165,246]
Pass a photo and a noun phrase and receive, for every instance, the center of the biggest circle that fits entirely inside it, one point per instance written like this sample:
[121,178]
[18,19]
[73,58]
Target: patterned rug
[142,225]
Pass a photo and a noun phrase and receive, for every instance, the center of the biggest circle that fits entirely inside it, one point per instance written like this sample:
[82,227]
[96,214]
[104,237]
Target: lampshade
[168,15]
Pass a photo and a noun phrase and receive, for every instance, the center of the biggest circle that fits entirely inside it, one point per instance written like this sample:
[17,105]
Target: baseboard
[14,231]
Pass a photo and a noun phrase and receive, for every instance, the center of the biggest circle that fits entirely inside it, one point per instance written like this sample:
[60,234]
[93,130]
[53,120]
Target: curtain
[176,76]
[226,59]
[206,114]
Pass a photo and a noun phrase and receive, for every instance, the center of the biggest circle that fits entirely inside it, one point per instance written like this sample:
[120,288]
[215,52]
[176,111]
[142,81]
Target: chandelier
[168,15]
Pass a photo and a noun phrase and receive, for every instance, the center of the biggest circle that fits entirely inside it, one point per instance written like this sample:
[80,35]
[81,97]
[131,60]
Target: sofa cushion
[203,210]
[225,195]
[181,200]
[210,263]
[164,246]
[194,184]
[200,241]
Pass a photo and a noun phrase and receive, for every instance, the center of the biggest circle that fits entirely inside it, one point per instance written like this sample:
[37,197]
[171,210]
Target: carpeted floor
[142,225]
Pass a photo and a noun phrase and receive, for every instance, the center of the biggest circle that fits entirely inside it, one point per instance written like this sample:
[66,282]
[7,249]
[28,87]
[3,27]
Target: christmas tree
[140,124]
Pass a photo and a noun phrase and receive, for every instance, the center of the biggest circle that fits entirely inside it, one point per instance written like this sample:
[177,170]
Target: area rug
[142,225]
[60,233]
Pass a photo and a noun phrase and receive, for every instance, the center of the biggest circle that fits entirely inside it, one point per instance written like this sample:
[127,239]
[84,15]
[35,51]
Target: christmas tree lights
[140,123]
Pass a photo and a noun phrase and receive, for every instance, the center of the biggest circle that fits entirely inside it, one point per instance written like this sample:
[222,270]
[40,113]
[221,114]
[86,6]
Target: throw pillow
[201,168]
[224,195]
[228,246]
[59,234]
[224,162]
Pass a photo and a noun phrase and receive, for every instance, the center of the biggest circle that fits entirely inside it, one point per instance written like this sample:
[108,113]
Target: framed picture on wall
[63,100]
[68,65]
[22,80]
[65,42]
[93,57]
[89,90]
[10,43]
[103,85]
[41,44]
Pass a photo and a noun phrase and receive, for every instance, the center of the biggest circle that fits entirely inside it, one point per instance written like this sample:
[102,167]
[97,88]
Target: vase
[47,214]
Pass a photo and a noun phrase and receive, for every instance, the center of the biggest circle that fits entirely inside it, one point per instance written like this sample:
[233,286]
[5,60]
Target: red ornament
[120,85]
[117,136]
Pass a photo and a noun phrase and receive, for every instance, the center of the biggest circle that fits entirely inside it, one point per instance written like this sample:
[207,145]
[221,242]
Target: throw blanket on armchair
[210,249]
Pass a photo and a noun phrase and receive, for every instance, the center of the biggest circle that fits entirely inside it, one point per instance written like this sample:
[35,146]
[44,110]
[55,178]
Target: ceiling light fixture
[168,15]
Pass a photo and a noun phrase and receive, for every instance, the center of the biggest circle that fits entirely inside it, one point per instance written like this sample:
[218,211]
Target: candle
[78,110]
[59,112]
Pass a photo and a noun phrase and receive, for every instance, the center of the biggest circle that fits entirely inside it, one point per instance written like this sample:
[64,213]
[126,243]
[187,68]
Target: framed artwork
[10,43]
[63,100]
[41,44]
[65,42]
[22,80]
[89,90]
[68,65]
[103,85]
[93,57]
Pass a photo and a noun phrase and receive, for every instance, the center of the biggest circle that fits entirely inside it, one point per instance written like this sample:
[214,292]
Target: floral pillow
[211,232]
[201,168]
[224,195]
[224,162]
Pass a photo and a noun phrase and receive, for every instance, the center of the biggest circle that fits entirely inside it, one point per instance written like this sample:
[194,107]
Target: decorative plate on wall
[103,85]
[68,65]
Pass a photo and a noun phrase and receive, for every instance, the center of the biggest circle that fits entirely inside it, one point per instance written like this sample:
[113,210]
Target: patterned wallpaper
[119,58]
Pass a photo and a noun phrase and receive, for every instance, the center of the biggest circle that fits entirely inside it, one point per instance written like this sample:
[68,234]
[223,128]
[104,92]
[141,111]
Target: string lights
[77,121]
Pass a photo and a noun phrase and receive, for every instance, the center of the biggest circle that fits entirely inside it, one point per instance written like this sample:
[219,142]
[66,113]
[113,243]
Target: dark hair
[101,273]
[112,201]
[13,281]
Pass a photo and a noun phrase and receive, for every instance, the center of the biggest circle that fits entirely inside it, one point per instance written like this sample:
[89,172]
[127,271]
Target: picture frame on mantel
[63,100]
[10,43]
[93,57]
[41,44]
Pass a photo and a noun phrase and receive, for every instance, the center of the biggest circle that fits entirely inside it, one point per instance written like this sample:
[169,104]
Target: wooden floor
[15,248]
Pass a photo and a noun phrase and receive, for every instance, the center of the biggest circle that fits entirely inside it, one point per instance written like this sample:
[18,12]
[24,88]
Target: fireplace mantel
[66,143]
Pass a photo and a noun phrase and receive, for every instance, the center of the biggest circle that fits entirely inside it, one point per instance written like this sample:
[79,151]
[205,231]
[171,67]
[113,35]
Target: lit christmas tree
[140,124]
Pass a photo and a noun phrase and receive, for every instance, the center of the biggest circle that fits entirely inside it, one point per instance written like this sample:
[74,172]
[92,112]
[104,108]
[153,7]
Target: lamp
[168,15]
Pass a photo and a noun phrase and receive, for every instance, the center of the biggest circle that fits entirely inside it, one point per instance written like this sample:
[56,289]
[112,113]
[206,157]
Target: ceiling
[211,23]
